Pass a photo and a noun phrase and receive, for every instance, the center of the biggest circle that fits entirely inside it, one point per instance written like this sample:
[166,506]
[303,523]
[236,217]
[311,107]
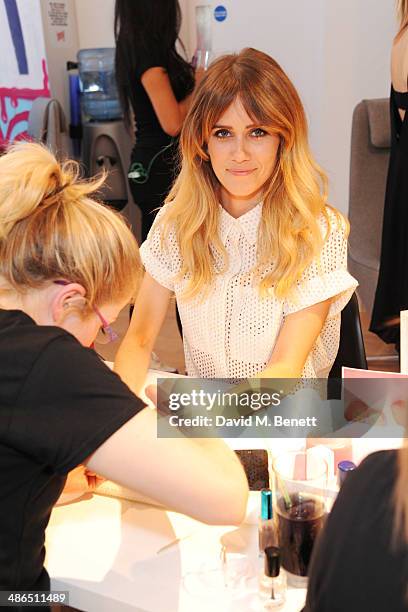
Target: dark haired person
[156,83]
[360,561]
[392,288]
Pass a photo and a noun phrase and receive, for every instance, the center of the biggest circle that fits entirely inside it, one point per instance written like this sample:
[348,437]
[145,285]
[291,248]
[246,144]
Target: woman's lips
[240,172]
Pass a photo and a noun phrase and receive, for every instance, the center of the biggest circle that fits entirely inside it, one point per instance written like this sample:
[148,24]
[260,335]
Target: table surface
[111,555]
[115,555]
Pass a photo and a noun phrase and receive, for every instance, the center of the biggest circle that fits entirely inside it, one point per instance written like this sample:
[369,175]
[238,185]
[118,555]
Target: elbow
[231,510]
[172,128]
[140,338]
[172,131]
[239,510]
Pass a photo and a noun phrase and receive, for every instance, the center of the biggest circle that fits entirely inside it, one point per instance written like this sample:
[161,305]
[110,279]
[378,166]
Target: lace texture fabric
[232,333]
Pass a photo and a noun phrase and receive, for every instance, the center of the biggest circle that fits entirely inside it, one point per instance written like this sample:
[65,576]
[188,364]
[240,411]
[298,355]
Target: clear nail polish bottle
[272,583]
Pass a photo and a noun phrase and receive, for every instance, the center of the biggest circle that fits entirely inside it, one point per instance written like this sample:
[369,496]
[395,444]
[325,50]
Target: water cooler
[106,143]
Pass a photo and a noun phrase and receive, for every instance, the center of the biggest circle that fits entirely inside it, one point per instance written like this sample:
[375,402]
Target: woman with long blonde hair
[246,241]
[68,265]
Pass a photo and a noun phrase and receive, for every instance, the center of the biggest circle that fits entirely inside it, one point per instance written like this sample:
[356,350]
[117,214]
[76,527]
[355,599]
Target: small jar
[272,582]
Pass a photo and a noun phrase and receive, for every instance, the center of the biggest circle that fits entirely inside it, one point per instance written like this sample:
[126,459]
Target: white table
[104,552]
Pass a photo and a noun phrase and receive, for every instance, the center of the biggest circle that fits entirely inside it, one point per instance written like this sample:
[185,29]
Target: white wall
[95,23]
[358,38]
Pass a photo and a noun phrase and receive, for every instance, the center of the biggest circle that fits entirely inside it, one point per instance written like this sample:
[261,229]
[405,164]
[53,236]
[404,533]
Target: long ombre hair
[294,197]
[402,15]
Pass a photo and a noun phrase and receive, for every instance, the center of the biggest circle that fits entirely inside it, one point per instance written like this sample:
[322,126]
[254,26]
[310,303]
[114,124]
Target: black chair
[351,351]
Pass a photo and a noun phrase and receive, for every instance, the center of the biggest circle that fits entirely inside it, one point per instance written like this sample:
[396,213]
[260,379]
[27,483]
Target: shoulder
[67,372]
[22,342]
[331,222]
[160,250]
[381,462]
[146,58]
[334,228]
[371,481]
[164,223]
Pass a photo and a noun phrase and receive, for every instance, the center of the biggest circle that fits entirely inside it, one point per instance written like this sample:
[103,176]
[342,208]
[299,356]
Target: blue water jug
[99,94]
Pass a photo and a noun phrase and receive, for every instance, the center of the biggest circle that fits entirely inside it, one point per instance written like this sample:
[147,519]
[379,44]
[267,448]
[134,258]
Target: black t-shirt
[148,128]
[58,403]
[355,567]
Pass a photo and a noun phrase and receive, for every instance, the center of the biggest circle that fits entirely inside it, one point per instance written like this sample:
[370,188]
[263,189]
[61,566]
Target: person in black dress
[392,289]
[156,83]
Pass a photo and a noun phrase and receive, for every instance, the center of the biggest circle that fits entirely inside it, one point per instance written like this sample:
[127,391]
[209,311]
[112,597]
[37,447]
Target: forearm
[184,105]
[132,363]
[227,468]
[280,369]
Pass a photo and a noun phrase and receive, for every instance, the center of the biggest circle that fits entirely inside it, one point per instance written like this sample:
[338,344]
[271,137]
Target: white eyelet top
[232,333]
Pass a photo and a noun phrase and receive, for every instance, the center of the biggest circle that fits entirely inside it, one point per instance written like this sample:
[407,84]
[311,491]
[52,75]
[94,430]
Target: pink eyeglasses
[106,334]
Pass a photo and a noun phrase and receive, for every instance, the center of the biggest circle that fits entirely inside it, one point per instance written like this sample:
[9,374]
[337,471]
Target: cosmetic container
[343,470]
[267,535]
[272,582]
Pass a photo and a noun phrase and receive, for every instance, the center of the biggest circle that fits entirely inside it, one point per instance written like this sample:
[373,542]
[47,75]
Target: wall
[24,74]
[95,23]
[98,32]
[358,39]
[61,45]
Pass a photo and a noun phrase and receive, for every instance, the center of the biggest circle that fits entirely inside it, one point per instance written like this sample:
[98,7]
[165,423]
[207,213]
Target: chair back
[47,124]
[370,149]
[351,351]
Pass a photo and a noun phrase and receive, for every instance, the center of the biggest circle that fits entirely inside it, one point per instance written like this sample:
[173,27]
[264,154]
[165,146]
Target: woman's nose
[240,152]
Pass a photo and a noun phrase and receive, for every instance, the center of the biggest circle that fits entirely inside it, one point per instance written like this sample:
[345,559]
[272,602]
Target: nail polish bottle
[343,470]
[272,583]
[267,534]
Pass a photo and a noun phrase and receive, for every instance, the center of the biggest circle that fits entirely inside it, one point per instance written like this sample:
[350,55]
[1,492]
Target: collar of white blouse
[247,224]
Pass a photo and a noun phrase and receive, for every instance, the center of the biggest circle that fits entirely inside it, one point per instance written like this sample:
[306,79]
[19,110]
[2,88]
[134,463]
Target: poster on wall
[58,19]
[24,75]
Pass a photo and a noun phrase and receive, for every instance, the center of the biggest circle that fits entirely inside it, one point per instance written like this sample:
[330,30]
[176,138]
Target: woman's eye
[258,132]
[222,133]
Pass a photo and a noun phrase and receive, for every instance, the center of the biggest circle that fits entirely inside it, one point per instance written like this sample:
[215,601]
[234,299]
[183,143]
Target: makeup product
[272,583]
[342,448]
[267,529]
[343,470]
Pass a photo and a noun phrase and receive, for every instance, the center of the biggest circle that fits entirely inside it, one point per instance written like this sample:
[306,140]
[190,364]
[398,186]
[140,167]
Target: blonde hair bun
[51,228]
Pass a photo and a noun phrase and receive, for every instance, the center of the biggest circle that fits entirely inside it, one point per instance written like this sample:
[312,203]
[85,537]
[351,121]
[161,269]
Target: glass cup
[342,449]
[229,576]
[203,58]
[299,497]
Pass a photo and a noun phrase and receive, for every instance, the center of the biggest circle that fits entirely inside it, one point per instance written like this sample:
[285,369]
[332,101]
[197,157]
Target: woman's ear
[67,297]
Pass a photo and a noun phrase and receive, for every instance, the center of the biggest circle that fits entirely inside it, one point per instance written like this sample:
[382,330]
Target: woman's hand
[79,481]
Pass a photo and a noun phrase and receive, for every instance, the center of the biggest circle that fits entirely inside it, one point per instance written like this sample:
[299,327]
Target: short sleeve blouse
[232,333]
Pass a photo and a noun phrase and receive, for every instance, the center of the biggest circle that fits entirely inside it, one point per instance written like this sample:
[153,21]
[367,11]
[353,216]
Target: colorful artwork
[24,75]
